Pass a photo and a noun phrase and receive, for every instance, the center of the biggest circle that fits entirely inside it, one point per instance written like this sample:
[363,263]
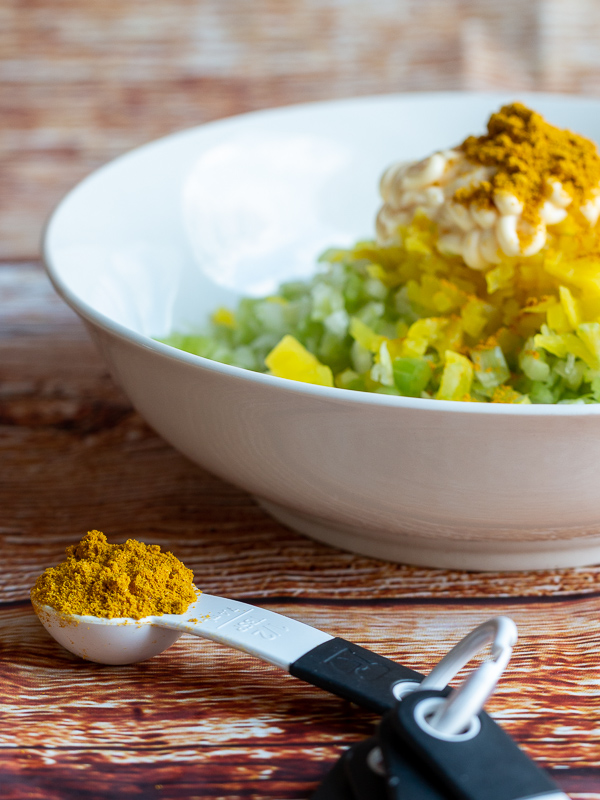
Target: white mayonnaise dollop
[479,235]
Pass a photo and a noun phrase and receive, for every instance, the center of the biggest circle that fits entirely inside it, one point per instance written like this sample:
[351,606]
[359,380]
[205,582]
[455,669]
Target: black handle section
[404,776]
[336,785]
[354,673]
[366,784]
[489,766]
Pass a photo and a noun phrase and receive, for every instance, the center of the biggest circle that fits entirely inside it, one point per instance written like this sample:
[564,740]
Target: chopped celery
[540,393]
[404,319]
[595,386]
[533,362]
[411,375]
[388,390]
[571,370]
[456,377]
[490,367]
[506,394]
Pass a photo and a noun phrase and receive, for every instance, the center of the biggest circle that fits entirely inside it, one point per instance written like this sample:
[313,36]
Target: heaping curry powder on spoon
[116,580]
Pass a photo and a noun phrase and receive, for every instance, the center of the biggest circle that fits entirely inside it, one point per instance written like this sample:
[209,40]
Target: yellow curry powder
[116,580]
[529,154]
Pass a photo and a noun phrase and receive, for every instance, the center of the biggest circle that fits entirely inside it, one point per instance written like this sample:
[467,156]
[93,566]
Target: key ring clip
[453,715]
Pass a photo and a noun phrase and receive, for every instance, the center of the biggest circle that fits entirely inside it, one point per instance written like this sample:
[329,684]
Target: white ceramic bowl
[160,237]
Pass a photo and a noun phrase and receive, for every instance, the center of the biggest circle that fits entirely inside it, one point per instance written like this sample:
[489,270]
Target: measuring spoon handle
[331,663]
[354,673]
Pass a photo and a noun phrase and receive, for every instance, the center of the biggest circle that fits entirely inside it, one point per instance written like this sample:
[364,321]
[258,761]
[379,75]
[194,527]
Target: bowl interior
[163,235]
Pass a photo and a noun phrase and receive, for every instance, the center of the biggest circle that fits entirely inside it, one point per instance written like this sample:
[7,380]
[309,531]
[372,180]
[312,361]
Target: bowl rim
[344,396]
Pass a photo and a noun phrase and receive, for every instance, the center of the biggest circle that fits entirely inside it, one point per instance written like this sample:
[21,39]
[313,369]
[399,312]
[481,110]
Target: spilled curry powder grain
[116,580]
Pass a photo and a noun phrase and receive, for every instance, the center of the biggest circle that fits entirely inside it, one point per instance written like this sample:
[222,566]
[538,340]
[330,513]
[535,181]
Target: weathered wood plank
[209,694]
[201,717]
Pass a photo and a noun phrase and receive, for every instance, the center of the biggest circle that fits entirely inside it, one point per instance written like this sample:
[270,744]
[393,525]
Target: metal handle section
[499,632]
[272,637]
[454,714]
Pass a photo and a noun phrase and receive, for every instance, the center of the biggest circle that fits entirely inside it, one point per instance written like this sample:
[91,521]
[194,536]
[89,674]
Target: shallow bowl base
[467,554]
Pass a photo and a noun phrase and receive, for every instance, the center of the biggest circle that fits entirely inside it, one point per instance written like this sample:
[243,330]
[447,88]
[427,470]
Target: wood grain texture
[201,720]
[81,83]
[200,698]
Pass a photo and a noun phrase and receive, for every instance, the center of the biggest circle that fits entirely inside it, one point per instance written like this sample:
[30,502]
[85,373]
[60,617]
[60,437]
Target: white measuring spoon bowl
[265,634]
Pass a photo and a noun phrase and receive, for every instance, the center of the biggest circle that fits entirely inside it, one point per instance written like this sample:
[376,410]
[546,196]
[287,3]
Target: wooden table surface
[79,84]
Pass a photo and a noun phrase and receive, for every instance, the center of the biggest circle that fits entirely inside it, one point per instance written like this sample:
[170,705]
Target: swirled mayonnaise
[479,234]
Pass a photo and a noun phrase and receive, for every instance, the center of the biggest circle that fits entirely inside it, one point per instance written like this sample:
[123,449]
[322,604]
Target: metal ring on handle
[455,713]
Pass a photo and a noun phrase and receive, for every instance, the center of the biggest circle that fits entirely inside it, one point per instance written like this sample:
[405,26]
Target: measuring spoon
[329,662]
